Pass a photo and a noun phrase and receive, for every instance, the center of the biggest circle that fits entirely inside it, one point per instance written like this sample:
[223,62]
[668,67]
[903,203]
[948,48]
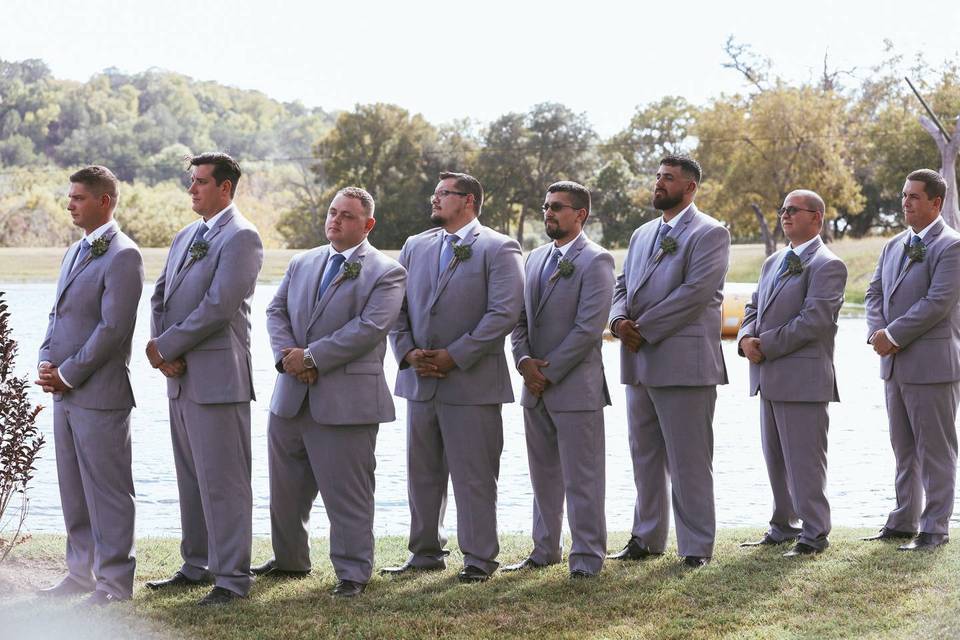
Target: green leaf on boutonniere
[564,269]
[794,265]
[916,252]
[99,246]
[199,249]
[668,245]
[462,252]
[351,270]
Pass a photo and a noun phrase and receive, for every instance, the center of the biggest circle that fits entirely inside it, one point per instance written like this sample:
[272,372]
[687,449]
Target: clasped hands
[293,365]
[49,379]
[751,349]
[882,345]
[430,363]
[628,334]
[535,382]
[173,369]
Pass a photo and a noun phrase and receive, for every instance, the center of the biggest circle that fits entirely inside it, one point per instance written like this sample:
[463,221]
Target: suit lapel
[931,235]
[208,238]
[339,281]
[446,275]
[572,254]
[781,282]
[64,268]
[108,236]
[181,257]
[675,233]
[638,263]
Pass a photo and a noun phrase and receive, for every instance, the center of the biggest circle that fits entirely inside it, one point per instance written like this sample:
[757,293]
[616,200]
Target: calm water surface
[860,460]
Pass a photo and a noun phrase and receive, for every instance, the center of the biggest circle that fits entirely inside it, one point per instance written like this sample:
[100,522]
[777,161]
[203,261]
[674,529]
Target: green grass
[43,265]
[854,590]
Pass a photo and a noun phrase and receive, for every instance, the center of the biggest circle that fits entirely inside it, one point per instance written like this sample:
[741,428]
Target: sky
[473,60]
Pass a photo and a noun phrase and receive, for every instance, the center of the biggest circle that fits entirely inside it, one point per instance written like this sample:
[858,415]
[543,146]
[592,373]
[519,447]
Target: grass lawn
[854,590]
[43,264]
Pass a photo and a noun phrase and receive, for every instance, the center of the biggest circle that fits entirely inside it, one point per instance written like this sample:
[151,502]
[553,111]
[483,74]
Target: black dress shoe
[218,596]
[580,574]
[766,541]
[100,599]
[348,589]
[178,580]
[632,551]
[66,587]
[471,573]
[695,562]
[887,533]
[925,541]
[524,565]
[406,567]
[270,569]
[801,549]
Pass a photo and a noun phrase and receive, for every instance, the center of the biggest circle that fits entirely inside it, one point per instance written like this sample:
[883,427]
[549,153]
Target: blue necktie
[549,268]
[446,254]
[661,234]
[81,254]
[914,241]
[785,264]
[336,261]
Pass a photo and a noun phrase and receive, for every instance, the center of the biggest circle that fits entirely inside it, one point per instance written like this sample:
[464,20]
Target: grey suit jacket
[564,326]
[91,324]
[346,333]
[469,312]
[918,306]
[202,312]
[675,302]
[795,317]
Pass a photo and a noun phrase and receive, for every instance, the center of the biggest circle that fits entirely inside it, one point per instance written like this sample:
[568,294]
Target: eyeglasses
[556,207]
[443,193]
[792,211]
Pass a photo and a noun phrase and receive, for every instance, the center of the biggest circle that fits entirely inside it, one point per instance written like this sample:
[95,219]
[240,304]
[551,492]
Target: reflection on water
[861,462]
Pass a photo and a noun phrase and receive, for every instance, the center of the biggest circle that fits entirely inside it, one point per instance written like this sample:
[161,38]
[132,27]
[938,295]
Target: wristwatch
[308,360]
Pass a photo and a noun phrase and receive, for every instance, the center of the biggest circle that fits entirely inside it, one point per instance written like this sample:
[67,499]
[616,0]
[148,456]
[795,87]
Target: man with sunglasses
[556,346]
[464,293]
[913,320]
[787,334]
[666,312]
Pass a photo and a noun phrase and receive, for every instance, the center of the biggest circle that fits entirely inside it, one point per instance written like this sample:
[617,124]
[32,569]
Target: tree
[618,202]
[658,129]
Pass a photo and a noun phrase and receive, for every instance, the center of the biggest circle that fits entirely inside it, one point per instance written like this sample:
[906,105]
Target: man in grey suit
[83,363]
[328,325]
[201,342]
[464,294]
[556,346]
[787,334]
[913,320]
[666,311]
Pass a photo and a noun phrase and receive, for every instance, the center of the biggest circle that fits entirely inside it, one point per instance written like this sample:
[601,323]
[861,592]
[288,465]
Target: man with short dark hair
[556,347]
[201,342]
[328,325]
[913,320]
[666,312]
[787,334]
[464,294]
[84,362]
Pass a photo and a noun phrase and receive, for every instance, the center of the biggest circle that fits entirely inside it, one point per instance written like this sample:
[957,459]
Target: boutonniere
[199,249]
[794,265]
[99,246]
[668,245]
[462,252]
[351,270]
[916,252]
[564,269]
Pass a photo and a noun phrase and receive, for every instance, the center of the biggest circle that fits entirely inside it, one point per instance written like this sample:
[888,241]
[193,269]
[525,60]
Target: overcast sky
[472,59]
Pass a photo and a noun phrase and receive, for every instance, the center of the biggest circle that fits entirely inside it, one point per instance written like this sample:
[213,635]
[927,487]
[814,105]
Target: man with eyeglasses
[666,312]
[556,347]
[787,334]
[913,321]
[464,294]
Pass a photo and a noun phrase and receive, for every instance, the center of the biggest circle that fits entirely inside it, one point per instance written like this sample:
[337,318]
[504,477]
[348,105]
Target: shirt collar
[99,231]
[464,231]
[212,221]
[799,249]
[676,219]
[566,247]
[923,232]
[346,253]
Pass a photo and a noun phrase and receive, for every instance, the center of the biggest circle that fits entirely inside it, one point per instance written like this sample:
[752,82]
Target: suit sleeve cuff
[522,358]
[63,378]
[890,338]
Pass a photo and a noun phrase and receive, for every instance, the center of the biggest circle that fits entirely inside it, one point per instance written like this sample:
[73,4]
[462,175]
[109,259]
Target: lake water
[861,466]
